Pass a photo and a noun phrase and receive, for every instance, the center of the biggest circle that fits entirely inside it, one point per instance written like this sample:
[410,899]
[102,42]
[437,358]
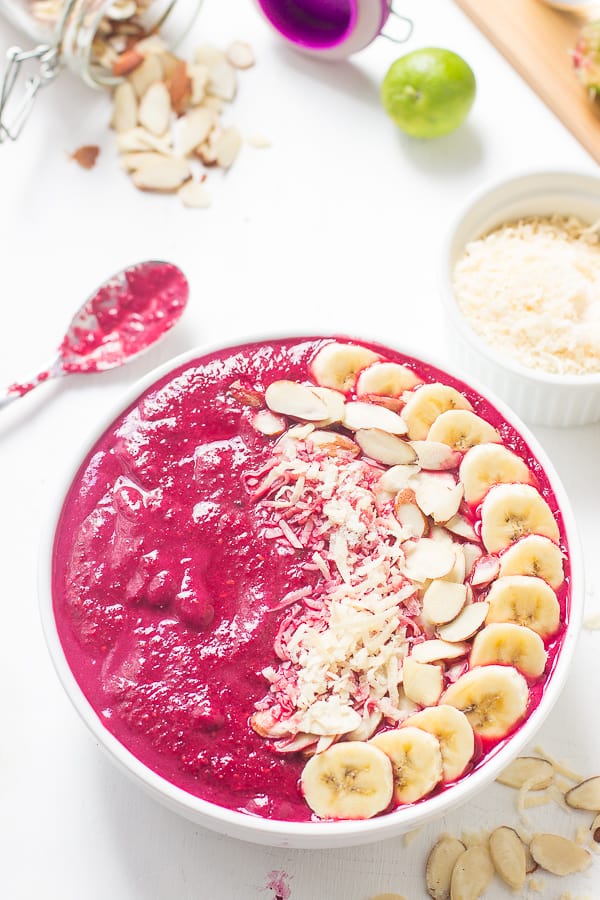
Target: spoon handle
[19,389]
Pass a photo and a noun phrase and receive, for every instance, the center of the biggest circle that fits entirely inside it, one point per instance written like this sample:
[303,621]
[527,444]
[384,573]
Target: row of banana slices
[422,432]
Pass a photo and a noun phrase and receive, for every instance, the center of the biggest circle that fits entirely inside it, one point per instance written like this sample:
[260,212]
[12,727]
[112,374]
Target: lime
[428,92]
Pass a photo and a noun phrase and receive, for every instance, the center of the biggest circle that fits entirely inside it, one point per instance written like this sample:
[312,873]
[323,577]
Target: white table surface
[336,227]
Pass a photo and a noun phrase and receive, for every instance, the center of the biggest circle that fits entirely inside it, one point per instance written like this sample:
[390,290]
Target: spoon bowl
[123,318]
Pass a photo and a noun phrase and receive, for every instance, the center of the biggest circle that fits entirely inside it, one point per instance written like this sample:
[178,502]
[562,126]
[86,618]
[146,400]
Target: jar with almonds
[96,39]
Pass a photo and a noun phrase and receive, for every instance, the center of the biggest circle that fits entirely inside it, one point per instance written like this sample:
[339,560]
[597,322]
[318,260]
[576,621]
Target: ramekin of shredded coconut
[521,289]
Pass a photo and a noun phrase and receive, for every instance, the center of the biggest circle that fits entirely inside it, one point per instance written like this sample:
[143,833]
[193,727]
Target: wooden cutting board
[536,39]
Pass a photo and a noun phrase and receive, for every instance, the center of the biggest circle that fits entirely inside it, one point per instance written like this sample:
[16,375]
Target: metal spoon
[122,319]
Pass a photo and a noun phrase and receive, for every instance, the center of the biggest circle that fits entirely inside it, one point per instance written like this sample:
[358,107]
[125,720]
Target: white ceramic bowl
[306,834]
[539,398]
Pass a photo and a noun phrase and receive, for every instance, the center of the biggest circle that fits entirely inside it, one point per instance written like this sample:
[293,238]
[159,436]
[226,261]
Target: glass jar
[85,36]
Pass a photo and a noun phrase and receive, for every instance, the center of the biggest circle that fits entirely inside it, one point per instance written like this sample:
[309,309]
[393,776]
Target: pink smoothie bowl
[308,834]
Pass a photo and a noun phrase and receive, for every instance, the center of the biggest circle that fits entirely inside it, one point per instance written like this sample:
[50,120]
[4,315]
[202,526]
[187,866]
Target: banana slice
[511,511]
[487,464]
[416,759]
[337,365]
[524,600]
[386,379]
[461,429]
[515,645]
[493,698]
[426,404]
[534,555]
[452,729]
[350,780]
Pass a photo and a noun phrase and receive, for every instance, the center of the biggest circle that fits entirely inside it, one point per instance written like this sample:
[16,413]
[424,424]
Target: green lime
[428,92]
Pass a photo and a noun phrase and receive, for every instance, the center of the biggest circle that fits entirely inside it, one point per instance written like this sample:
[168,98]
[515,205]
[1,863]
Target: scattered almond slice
[437,650]
[131,162]
[140,139]
[443,601]
[538,773]
[227,147]
[297,400]
[472,553]
[585,795]
[195,195]
[485,569]
[149,72]
[333,442]
[268,423]
[426,558]
[408,513]
[423,682]
[198,75]
[559,766]
[383,447]
[163,175]
[192,129]
[125,109]
[458,571]
[508,856]
[86,156]
[222,81]
[559,855]
[334,402]
[461,526]
[366,415]
[435,456]
[472,874]
[438,495]
[595,829]
[240,55]
[466,624]
[397,478]
[440,865]
[209,56]
[155,109]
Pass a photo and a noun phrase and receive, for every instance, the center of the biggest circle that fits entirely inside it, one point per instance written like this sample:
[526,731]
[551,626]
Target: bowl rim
[476,199]
[277,831]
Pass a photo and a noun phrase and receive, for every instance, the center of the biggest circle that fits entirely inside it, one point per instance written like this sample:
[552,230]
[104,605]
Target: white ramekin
[305,834]
[538,397]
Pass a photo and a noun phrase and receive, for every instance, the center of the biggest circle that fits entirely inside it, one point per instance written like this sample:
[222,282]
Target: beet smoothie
[168,585]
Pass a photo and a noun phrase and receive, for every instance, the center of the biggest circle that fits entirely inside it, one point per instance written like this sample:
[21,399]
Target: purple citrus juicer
[331,29]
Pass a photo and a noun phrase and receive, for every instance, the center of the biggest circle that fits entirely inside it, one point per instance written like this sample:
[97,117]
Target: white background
[336,227]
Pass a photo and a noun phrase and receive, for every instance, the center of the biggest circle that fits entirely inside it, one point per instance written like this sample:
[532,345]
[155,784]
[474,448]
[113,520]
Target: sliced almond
[508,855]
[443,601]
[258,141]
[198,75]
[466,624]
[222,81]
[333,443]
[367,415]
[180,88]
[436,650]
[140,139]
[472,874]
[209,56]
[585,795]
[214,103]
[335,403]
[155,109]
[195,195]
[131,162]
[297,400]
[472,553]
[485,569]
[396,478]
[240,55]
[164,175]
[461,526]
[149,72]
[151,44]
[559,855]
[192,129]
[126,62]
[434,456]
[440,865]
[423,683]
[383,447]
[426,558]
[268,423]
[595,829]
[459,570]
[125,108]
[538,773]
[438,495]
[409,515]
[227,147]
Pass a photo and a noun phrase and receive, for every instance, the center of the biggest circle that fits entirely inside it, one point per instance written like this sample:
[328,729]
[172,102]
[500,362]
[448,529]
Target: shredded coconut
[531,289]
